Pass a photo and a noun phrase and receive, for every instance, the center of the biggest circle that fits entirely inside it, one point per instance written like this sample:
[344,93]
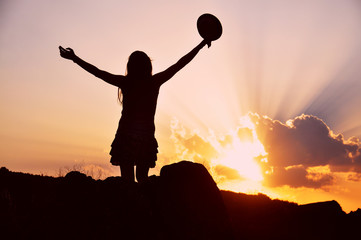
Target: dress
[134,149]
[134,141]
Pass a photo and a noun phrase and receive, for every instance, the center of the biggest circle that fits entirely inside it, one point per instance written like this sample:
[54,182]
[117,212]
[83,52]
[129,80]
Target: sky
[272,106]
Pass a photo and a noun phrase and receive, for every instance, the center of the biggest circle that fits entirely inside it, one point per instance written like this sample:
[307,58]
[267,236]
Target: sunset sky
[273,106]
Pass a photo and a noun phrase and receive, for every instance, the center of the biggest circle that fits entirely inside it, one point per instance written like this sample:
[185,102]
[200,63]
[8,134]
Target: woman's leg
[127,172]
[142,173]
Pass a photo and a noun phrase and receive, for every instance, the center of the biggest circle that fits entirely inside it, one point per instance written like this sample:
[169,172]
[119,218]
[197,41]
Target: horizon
[95,177]
[271,107]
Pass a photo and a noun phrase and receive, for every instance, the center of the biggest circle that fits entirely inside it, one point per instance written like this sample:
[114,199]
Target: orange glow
[231,159]
[241,153]
[270,60]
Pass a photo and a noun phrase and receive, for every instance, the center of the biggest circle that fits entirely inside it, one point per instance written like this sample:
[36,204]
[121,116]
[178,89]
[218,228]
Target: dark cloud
[355,177]
[305,140]
[297,176]
[357,161]
[300,144]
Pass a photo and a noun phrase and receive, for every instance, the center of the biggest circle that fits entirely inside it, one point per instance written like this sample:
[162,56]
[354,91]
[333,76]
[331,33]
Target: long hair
[139,67]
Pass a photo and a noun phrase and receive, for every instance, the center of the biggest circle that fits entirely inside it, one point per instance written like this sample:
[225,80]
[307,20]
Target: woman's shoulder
[159,78]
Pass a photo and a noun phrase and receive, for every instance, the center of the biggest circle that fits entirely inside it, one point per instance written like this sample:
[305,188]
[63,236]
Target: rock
[328,209]
[75,176]
[191,203]
[4,170]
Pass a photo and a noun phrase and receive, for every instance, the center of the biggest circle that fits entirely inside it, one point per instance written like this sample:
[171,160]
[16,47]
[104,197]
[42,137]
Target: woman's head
[139,65]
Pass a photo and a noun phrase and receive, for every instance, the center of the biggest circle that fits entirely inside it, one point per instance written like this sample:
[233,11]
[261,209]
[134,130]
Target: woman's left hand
[67,53]
[206,42]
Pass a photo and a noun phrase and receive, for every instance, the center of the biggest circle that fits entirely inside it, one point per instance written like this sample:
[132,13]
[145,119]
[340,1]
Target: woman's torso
[139,105]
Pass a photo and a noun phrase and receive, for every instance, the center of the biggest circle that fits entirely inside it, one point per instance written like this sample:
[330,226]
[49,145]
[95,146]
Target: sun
[239,151]
[241,156]
[232,159]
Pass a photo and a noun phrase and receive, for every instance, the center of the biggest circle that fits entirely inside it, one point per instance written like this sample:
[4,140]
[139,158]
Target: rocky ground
[182,203]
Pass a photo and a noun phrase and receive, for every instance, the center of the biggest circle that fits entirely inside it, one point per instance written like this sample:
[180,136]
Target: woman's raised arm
[172,70]
[68,53]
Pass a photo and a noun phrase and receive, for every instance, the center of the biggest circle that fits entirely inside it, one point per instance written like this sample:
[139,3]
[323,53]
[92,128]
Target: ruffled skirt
[133,148]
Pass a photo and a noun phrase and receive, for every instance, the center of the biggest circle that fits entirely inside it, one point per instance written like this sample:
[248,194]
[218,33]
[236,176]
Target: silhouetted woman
[134,142]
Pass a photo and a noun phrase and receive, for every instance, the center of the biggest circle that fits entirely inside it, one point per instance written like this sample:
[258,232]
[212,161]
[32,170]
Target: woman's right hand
[67,53]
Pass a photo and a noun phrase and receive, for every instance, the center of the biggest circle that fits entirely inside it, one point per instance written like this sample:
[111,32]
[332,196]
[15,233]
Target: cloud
[226,141]
[225,173]
[355,177]
[297,176]
[301,144]
[192,146]
[245,134]
[200,147]
[302,152]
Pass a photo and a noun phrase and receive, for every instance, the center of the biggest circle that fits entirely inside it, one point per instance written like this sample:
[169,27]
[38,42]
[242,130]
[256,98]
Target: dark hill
[182,203]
